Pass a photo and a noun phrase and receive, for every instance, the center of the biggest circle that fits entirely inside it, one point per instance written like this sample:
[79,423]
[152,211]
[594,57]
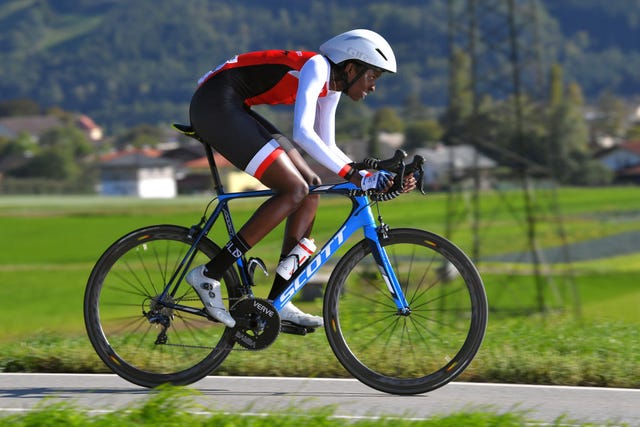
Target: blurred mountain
[130,62]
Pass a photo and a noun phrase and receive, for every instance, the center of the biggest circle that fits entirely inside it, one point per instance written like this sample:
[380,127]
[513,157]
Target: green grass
[51,244]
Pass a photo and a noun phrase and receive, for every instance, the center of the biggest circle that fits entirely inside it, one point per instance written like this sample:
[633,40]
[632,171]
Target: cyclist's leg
[246,139]
[220,118]
[300,213]
[291,191]
[300,222]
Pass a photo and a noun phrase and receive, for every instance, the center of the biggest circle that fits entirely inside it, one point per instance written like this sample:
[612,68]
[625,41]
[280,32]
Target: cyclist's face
[365,84]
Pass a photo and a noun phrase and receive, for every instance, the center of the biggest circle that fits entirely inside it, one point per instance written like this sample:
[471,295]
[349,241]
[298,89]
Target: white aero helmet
[361,45]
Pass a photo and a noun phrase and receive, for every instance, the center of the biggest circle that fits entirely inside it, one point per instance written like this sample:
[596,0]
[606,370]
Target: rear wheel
[406,353]
[138,337]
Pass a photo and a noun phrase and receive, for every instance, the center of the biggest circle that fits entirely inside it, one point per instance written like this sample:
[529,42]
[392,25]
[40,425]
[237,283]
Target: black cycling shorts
[221,118]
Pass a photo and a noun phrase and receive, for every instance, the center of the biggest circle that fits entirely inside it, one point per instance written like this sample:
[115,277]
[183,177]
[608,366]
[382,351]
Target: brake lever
[420,180]
[388,164]
[416,168]
[395,165]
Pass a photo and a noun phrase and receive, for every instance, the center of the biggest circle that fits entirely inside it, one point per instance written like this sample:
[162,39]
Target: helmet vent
[381,54]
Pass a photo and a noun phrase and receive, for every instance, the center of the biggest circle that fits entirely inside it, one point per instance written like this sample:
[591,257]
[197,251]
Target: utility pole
[501,40]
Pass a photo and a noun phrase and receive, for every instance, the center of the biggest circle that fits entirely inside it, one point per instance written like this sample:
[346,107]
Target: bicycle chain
[202,347]
[237,347]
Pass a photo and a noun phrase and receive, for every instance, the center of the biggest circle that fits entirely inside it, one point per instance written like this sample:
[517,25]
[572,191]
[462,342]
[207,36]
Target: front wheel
[399,352]
[141,339]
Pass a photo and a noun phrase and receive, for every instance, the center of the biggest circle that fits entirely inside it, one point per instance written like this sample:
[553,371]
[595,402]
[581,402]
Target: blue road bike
[404,309]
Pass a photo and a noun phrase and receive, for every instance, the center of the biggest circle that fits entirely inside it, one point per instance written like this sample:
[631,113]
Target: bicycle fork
[374,235]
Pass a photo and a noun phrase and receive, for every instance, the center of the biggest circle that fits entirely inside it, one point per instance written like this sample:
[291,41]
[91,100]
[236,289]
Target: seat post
[217,182]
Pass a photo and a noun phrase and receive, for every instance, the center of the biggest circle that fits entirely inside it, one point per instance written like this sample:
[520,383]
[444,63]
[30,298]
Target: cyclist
[221,115]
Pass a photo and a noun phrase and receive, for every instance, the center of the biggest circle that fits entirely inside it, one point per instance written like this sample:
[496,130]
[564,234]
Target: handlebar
[399,168]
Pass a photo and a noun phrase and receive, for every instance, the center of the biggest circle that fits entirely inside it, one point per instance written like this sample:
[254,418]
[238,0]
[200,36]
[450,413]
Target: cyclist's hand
[409,183]
[379,181]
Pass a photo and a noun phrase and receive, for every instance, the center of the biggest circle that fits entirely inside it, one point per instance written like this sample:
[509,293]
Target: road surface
[349,398]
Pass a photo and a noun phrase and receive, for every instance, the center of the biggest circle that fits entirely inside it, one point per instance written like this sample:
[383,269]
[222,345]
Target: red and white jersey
[292,77]
[269,76]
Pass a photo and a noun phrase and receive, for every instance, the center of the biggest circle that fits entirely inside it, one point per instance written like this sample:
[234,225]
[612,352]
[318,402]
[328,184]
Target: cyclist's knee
[297,192]
[291,188]
[314,180]
[287,181]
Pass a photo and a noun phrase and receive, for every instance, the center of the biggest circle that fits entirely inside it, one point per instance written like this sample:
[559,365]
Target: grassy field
[589,334]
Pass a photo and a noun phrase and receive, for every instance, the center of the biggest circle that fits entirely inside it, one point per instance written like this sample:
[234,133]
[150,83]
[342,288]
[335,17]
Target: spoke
[378,289]
[393,325]
[391,311]
[143,263]
[120,304]
[418,292]
[441,297]
[161,270]
[371,324]
[419,329]
[135,278]
[137,322]
[439,322]
[139,289]
[375,301]
[366,344]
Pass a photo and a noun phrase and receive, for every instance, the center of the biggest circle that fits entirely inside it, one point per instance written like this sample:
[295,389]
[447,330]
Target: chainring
[257,323]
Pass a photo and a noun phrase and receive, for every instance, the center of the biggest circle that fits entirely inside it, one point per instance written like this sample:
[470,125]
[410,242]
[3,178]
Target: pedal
[287,327]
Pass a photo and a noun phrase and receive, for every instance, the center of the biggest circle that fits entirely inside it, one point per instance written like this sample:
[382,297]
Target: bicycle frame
[359,218]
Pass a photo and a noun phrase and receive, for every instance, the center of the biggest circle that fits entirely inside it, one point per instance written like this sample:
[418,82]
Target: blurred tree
[69,138]
[556,86]
[385,119]
[582,169]
[633,133]
[22,145]
[611,118]
[53,163]
[19,107]
[420,133]
[353,119]
[567,136]
[60,155]
[414,109]
[140,136]
[460,108]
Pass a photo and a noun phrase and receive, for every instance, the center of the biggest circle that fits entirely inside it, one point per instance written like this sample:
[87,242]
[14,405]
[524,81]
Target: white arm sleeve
[314,116]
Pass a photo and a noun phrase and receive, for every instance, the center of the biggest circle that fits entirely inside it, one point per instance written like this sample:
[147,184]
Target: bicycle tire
[119,298]
[418,352]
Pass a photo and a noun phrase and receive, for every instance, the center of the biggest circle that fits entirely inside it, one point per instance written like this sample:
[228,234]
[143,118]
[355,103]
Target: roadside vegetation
[176,407]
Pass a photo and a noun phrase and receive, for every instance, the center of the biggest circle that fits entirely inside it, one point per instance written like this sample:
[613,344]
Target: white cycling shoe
[294,315]
[208,290]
